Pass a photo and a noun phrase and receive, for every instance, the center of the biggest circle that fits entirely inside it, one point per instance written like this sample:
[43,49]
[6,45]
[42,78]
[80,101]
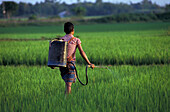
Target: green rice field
[138,55]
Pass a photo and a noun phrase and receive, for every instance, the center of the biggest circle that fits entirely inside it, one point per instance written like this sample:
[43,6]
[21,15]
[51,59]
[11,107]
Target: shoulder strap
[71,57]
[71,39]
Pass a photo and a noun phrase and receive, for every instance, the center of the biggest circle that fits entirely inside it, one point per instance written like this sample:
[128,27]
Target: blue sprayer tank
[57,53]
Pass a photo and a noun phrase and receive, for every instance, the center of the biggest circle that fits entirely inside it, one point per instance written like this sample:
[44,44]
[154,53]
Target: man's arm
[83,54]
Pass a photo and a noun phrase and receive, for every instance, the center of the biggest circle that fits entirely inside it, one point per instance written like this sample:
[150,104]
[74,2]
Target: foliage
[32,17]
[164,16]
[167,8]
[137,17]
[120,18]
[53,8]
[9,7]
[79,11]
[98,2]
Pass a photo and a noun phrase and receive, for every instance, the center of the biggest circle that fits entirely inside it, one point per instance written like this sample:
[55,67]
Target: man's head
[68,28]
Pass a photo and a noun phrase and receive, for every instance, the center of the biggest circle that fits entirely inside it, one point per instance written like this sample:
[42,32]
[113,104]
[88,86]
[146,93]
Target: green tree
[9,8]
[78,1]
[50,1]
[98,1]
[167,8]
[146,4]
[25,9]
[79,11]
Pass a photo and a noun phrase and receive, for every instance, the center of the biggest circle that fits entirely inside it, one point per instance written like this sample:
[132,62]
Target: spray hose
[78,76]
[88,66]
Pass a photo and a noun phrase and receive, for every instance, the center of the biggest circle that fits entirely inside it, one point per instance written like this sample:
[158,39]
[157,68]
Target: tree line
[53,8]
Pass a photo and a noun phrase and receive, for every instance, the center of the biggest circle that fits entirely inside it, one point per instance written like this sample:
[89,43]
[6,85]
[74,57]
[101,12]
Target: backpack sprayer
[58,56]
[57,53]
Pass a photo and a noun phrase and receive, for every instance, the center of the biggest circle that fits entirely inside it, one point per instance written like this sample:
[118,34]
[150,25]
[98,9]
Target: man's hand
[52,67]
[92,66]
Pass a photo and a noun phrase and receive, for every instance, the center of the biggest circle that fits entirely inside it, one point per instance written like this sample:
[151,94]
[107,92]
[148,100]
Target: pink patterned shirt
[72,45]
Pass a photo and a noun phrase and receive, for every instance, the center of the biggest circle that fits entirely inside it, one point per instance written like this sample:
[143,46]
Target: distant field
[137,79]
[135,44]
[38,31]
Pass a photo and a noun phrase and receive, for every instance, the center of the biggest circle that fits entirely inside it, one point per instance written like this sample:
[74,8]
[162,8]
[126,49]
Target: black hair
[68,27]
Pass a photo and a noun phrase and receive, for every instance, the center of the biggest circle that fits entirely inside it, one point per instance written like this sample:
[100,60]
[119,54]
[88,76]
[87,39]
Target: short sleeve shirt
[72,45]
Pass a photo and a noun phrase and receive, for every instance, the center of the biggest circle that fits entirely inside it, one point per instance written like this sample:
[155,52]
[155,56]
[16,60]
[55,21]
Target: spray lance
[58,57]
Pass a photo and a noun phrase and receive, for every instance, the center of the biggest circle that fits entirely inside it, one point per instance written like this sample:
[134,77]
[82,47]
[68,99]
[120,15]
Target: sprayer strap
[71,39]
[71,57]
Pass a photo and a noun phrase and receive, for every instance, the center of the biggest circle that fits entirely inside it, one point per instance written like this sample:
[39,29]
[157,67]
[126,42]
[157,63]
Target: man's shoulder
[78,41]
[76,38]
[62,37]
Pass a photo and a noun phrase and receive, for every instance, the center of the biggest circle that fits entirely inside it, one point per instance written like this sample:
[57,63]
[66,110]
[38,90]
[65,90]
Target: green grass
[126,88]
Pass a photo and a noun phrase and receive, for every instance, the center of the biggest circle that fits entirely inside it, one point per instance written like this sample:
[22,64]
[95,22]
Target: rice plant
[125,88]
